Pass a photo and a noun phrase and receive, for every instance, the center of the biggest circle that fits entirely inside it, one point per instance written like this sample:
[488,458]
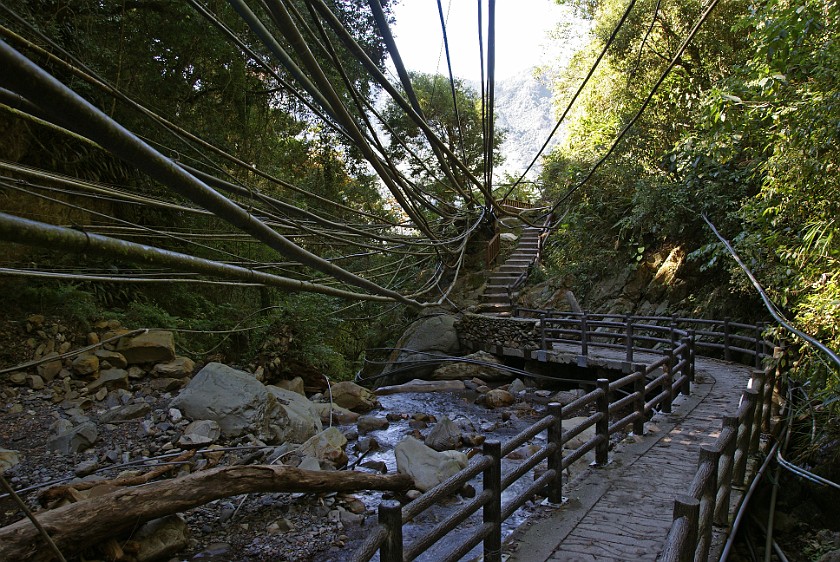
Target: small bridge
[665,493]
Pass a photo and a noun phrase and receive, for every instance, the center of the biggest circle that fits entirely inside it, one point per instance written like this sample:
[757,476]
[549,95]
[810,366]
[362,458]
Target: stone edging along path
[623,511]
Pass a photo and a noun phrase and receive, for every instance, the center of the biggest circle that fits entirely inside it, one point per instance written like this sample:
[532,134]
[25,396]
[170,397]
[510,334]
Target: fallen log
[66,492]
[76,526]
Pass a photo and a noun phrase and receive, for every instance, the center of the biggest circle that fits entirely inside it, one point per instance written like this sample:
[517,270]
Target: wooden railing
[723,466]
[514,204]
[725,338]
[616,405]
[647,388]
[494,246]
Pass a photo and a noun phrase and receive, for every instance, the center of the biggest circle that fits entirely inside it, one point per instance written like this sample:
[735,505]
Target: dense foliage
[745,129]
[462,131]
[168,58]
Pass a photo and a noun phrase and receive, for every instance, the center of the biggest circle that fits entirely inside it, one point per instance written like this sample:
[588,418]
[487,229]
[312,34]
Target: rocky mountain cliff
[523,106]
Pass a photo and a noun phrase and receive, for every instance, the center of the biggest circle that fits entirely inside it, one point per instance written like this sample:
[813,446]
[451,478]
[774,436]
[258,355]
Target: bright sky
[522,40]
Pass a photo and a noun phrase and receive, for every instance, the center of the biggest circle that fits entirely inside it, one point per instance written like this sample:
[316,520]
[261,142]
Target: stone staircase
[500,293]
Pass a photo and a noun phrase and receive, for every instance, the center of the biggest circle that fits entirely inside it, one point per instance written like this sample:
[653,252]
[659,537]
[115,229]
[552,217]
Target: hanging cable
[405,80]
[98,82]
[489,203]
[483,92]
[768,303]
[45,91]
[452,81]
[351,45]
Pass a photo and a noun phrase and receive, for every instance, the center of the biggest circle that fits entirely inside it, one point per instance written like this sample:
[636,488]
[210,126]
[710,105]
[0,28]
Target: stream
[499,424]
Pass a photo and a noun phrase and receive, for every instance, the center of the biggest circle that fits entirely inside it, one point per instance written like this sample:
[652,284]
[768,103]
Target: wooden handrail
[493,248]
[515,204]
[614,331]
[722,466]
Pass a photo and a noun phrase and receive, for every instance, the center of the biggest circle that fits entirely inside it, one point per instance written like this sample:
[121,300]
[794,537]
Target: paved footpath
[623,511]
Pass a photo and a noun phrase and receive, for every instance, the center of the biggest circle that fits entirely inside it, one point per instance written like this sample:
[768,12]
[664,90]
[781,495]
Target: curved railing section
[723,467]
[729,340]
[629,400]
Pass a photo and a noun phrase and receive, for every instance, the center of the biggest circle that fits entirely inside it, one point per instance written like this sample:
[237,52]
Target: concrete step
[520,259]
[499,283]
[492,308]
[518,269]
[530,254]
[498,291]
[495,299]
[515,269]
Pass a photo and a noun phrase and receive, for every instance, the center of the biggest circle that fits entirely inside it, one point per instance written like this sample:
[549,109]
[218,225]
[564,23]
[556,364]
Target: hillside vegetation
[744,130]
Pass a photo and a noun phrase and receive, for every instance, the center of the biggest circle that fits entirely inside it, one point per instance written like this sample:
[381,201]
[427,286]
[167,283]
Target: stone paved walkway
[623,511]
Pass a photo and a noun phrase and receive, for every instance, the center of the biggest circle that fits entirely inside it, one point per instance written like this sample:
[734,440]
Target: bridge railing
[722,467]
[515,204]
[387,536]
[732,341]
[613,406]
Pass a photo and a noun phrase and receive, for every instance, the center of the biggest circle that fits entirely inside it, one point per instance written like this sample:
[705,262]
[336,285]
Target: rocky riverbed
[115,404]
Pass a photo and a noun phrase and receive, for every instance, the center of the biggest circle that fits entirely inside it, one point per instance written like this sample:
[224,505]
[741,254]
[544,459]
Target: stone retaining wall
[516,336]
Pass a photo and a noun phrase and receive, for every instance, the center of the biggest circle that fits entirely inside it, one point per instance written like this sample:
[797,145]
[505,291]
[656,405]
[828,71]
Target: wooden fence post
[692,353]
[602,426]
[639,402]
[759,344]
[668,385]
[543,345]
[709,454]
[727,354]
[758,413]
[555,459]
[727,459]
[584,337]
[688,507]
[390,516]
[686,370]
[492,511]
[773,378]
[628,338]
[742,452]
[778,357]
[673,333]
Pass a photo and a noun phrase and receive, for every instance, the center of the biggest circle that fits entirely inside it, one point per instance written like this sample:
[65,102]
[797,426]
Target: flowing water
[500,424]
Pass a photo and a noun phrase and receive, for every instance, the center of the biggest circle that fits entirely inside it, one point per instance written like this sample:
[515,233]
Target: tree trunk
[79,525]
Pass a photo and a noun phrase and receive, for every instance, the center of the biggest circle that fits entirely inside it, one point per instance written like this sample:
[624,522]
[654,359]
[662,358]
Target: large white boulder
[149,347]
[327,446]
[304,420]
[237,401]
[355,398]
[427,467]
[428,337]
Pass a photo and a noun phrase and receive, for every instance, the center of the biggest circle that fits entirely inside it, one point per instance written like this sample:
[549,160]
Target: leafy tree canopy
[744,129]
